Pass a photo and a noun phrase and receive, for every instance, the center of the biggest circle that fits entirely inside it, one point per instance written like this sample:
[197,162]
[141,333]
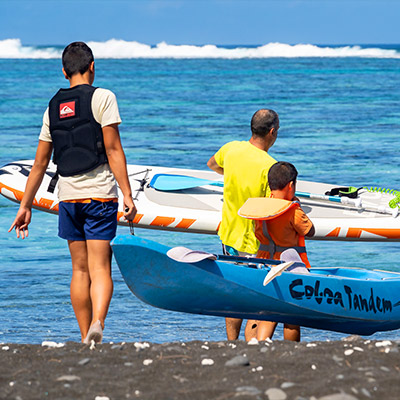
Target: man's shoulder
[230,149]
[234,144]
[99,91]
[104,98]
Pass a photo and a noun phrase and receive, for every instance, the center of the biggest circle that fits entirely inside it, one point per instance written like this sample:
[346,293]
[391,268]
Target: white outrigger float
[191,201]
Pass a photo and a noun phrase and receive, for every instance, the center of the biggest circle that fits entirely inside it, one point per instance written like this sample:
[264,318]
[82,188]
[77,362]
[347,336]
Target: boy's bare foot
[95,333]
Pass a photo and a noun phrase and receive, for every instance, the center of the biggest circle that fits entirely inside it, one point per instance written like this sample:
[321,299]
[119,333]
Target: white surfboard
[198,209]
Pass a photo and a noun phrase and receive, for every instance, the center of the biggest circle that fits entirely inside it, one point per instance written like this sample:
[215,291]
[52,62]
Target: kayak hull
[198,209]
[348,300]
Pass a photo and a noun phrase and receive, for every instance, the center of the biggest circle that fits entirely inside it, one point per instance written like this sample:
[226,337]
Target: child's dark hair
[280,174]
[76,58]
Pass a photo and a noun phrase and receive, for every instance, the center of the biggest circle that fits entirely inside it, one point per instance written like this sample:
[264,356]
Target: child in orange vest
[286,231]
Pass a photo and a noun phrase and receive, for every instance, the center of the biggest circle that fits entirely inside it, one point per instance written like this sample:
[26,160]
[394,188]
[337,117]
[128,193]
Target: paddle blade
[168,182]
[185,255]
[276,271]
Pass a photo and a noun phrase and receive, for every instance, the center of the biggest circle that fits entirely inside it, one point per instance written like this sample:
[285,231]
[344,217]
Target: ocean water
[340,122]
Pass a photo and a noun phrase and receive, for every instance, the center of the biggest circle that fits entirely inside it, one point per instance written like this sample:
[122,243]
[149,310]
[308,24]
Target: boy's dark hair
[76,58]
[262,122]
[280,174]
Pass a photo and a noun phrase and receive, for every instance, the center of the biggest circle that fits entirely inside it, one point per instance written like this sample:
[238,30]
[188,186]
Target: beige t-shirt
[100,182]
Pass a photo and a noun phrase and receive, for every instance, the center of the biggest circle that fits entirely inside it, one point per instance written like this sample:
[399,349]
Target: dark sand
[351,369]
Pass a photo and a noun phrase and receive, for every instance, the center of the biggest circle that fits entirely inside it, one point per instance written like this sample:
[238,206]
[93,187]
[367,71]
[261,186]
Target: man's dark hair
[262,122]
[280,174]
[76,58]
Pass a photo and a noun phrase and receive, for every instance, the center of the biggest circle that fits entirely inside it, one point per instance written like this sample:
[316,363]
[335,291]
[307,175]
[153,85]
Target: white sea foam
[13,48]
[121,49]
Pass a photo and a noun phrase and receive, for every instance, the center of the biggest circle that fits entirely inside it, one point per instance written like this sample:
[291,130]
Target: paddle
[170,182]
[357,203]
[276,271]
[185,255]
[342,200]
[167,182]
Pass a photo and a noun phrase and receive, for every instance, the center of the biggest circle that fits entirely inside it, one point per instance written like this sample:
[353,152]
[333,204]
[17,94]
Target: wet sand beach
[355,368]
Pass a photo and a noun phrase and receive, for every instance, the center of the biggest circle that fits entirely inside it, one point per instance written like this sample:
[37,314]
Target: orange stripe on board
[136,220]
[17,193]
[46,203]
[162,221]
[42,203]
[334,233]
[387,233]
[354,233]
[185,223]
[218,226]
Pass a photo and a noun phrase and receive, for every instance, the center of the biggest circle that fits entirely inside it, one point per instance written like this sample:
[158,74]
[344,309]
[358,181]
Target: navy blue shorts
[96,220]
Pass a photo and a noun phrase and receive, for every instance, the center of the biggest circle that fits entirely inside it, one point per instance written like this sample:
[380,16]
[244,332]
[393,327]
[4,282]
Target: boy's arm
[212,164]
[311,232]
[23,218]
[117,162]
[302,224]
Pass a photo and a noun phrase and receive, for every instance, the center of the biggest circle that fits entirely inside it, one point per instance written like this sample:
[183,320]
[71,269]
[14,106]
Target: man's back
[245,175]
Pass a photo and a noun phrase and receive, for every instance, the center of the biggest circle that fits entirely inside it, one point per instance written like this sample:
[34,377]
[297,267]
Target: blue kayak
[348,300]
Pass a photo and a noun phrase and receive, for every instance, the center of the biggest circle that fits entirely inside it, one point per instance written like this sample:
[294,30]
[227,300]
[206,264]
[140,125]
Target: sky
[220,22]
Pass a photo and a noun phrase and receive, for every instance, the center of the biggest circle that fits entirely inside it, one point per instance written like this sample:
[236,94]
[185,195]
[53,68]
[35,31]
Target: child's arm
[311,232]
[302,224]
[23,218]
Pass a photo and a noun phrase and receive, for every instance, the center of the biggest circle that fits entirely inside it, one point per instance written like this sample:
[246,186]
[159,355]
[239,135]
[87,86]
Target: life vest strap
[53,183]
[273,248]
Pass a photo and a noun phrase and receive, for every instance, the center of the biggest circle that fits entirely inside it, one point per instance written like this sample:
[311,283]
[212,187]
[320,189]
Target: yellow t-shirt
[245,175]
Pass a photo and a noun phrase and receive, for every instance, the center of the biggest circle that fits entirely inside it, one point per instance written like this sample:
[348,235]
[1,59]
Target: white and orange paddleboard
[198,208]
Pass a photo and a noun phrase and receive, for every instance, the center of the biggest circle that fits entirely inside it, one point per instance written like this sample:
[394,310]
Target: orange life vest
[270,247]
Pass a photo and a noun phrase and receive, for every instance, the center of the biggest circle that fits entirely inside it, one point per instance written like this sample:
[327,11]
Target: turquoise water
[340,121]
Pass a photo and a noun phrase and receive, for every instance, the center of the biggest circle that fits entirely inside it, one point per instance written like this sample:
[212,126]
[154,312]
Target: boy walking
[81,127]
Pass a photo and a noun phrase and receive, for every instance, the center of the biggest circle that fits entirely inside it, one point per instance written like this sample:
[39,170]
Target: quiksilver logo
[67,109]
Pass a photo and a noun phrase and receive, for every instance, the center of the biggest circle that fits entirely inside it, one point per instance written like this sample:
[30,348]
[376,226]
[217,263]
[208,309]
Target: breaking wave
[121,49]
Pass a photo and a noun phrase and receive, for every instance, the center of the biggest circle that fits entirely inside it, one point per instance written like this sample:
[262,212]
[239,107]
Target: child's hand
[21,222]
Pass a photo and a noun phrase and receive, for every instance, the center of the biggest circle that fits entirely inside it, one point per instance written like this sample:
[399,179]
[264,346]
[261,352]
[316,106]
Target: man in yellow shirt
[245,166]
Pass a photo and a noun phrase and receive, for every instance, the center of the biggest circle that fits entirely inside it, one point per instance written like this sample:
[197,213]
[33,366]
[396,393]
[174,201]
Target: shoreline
[353,368]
